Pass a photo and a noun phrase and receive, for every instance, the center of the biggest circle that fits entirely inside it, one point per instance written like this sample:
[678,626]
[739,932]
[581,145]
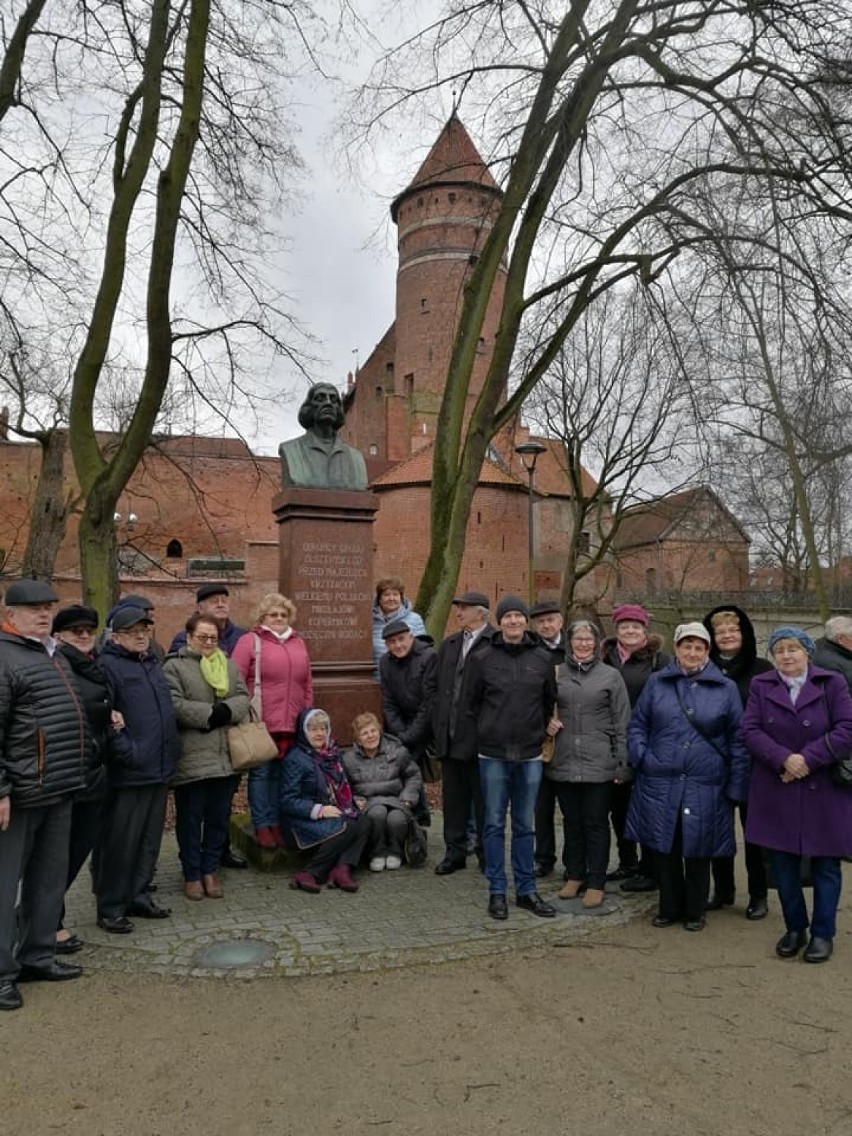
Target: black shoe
[536,905]
[69,946]
[789,945]
[662,921]
[233,859]
[148,910]
[695,924]
[542,871]
[639,883]
[10,995]
[448,866]
[497,906]
[117,925]
[53,972]
[818,950]
[757,908]
[622,872]
[718,900]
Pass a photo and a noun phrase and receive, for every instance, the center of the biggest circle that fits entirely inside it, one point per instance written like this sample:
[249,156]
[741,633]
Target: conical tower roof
[453,160]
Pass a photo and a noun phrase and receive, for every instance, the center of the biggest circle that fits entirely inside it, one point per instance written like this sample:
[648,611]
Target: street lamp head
[528,453]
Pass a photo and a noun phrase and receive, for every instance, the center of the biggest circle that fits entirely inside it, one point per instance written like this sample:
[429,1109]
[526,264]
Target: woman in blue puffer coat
[690,766]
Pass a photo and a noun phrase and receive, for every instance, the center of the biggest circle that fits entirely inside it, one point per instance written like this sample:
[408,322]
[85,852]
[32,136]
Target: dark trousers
[345,848]
[723,869]
[683,881]
[585,809]
[202,813]
[827,880]
[388,828]
[87,819]
[461,789]
[129,847]
[34,853]
[545,826]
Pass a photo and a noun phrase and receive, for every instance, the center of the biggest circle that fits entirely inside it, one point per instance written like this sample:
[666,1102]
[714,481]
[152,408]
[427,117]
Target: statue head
[322,404]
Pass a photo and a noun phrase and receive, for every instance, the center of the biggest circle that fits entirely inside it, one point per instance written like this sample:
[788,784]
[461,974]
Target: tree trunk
[50,511]
[98,551]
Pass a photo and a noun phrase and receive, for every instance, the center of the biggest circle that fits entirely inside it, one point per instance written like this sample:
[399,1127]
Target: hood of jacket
[301,739]
[746,655]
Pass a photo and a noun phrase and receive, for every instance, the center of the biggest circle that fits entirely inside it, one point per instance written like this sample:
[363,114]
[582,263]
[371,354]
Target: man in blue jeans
[512,693]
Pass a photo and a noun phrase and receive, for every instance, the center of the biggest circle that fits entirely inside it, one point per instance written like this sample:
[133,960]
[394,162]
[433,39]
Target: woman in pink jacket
[285,689]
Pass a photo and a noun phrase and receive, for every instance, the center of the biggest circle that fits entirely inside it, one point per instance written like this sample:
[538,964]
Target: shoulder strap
[702,733]
[257,697]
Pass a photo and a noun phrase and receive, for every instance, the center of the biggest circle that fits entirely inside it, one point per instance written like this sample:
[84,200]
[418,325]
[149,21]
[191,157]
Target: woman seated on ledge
[317,807]
[386,781]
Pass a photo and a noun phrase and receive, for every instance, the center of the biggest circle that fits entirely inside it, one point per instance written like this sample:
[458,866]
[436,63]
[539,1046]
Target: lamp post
[528,453]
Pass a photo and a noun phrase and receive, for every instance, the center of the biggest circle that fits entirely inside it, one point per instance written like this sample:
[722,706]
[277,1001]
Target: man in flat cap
[455,735]
[43,750]
[547,622]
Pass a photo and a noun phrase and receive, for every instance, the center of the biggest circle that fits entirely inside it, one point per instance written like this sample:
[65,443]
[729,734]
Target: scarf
[624,654]
[691,671]
[337,784]
[794,685]
[214,671]
[281,636]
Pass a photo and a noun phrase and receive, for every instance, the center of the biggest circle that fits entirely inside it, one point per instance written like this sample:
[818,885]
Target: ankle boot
[594,897]
[212,887]
[265,837]
[570,889]
[341,877]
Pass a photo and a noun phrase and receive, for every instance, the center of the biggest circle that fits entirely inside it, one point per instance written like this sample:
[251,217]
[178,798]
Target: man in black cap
[511,694]
[455,732]
[213,600]
[43,750]
[547,623]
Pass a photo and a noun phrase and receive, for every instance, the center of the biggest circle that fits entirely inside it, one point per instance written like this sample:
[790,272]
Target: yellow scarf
[214,669]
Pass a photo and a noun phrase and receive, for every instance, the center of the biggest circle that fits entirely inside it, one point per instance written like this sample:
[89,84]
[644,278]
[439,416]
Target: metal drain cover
[235,953]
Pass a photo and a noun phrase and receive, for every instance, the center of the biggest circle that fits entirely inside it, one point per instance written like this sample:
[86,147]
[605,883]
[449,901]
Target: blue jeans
[506,783]
[827,879]
[263,785]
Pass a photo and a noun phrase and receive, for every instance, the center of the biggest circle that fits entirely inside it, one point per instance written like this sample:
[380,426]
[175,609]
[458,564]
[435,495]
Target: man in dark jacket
[834,651]
[512,693]
[42,757]
[407,676]
[142,760]
[547,623]
[455,731]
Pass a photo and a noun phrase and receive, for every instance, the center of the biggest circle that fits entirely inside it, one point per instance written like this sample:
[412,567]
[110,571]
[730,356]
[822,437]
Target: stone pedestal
[326,567]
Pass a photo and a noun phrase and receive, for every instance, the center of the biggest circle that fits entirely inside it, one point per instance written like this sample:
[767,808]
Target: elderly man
[318,459]
[42,757]
[512,692]
[547,623]
[834,651]
[455,732]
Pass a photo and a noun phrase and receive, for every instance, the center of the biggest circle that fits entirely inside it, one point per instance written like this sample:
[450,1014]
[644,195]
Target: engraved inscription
[331,584]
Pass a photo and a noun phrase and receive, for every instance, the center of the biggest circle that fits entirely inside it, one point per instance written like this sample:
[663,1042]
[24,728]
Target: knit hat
[691,631]
[27,592]
[630,611]
[792,633]
[75,615]
[511,603]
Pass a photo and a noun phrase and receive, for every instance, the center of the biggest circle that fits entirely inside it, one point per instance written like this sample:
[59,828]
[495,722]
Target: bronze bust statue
[318,459]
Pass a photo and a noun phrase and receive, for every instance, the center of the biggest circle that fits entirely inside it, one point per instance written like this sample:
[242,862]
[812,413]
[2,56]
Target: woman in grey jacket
[590,754]
[208,694]
[386,781]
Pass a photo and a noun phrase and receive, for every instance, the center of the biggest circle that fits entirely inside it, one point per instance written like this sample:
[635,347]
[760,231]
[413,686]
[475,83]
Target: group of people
[522,715]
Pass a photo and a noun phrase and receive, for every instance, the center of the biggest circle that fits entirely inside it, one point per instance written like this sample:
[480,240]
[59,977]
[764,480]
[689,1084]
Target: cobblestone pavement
[396,919]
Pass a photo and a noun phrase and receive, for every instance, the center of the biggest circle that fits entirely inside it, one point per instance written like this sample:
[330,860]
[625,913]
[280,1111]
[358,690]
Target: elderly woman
[690,765]
[797,723]
[589,756]
[386,782]
[273,660]
[208,694]
[390,606]
[318,808]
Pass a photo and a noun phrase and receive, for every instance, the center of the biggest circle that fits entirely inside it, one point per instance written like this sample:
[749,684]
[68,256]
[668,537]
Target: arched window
[174,550]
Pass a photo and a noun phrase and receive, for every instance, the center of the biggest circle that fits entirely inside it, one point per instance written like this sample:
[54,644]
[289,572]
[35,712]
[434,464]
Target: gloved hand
[220,715]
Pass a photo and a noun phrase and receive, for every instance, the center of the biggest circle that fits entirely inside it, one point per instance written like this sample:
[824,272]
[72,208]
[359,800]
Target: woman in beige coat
[209,695]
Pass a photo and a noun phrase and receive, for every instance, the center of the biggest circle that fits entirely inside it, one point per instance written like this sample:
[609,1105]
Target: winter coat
[639,666]
[94,696]
[594,709]
[812,815]
[510,697]
[203,752]
[45,737]
[742,668]
[390,778]
[679,773]
[301,788]
[453,727]
[406,613]
[408,693]
[832,656]
[229,636]
[285,677]
[145,752]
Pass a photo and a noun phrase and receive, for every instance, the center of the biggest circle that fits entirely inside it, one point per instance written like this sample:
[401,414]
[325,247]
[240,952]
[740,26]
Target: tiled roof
[417,470]
[453,158]
[649,522]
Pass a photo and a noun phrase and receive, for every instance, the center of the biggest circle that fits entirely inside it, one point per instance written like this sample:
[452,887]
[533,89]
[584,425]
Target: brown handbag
[249,743]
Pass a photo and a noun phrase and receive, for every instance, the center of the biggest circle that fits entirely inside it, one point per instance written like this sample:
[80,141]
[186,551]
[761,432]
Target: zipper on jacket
[40,754]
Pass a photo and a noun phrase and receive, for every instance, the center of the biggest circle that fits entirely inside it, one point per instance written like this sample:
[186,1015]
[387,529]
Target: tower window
[451,197]
[409,385]
[174,550]
[373,449]
[424,305]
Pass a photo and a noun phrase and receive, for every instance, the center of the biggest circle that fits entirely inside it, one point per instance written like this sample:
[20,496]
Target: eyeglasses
[278,615]
[578,639]
[206,638]
[79,631]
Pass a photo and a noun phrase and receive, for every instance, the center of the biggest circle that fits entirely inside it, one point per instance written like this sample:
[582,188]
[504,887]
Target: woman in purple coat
[797,723]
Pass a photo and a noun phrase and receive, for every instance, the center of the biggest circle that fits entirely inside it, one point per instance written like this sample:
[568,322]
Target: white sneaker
[377,864]
[392,863]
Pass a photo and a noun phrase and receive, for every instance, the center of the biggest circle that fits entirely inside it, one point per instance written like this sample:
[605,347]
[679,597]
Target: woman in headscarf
[318,808]
[797,724]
